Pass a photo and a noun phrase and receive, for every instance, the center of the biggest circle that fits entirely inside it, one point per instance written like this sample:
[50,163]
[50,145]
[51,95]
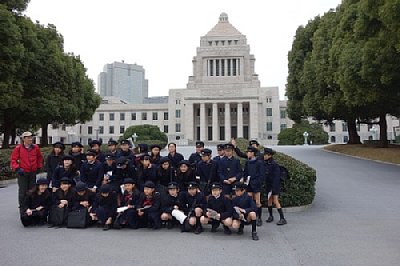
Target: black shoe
[117,226]
[107,227]
[50,226]
[227,231]
[240,231]
[170,225]
[270,219]
[185,227]
[198,230]
[259,221]
[281,222]
[254,236]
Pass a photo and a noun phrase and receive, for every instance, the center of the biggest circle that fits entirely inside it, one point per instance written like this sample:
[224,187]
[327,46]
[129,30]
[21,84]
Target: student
[125,151]
[77,153]
[125,169]
[220,151]
[105,207]
[273,185]
[146,170]
[155,156]
[194,202]
[36,204]
[54,159]
[83,198]
[148,207]
[165,175]
[206,171]
[169,203]
[109,168]
[66,169]
[128,200]
[174,157]
[218,210]
[253,143]
[62,198]
[229,171]
[195,157]
[112,148]
[254,177]
[185,175]
[91,171]
[96,145]
[244,210]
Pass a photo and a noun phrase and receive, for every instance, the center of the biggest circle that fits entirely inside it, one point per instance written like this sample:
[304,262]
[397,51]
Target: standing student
[165,175]
[195,157]
[155,156]
[206,171]
[185,175]
[54,159]
[125,151]
[66,169]
[112,148]
[77,153]
[174,156]
[220,152]
[96,146]
[36,205]
[273,185]
[229,171]
[26,161]
[109,168]
[91,171]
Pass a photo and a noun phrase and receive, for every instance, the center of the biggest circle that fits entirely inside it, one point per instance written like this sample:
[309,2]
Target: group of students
[143,189]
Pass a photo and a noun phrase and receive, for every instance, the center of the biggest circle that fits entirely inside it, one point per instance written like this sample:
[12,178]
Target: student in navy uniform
[36,204]
[148,207]
[146,170]
[142,149]
[63,199]
[174,156]
[273,185]
[54,159]
[112,148]
[194,202]
[218,210]
[77,154]
[220,151]
[155,156]
[244,210]
[128,199]
[109,168]
[91,171]
[105,207]
[125,151]
[195,157]
[96,145]
[254,177]
[253,143]
[66,169]
[184,175]
[169,202]
[229,171]
[207,171]
[83,198]
[165,175]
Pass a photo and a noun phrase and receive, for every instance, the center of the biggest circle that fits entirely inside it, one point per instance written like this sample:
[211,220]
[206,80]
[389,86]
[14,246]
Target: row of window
[268,112]
[222,111]
[223,67]
[332,127]
[223,42]
[269,126]
[111,130]
[111,116]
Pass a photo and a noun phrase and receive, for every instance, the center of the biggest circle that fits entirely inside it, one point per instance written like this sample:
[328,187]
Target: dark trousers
[25,182]
[149,219]
[37,217]
[103,214]
[128,218]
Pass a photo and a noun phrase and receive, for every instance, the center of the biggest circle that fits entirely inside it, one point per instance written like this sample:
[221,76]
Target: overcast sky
[162,36]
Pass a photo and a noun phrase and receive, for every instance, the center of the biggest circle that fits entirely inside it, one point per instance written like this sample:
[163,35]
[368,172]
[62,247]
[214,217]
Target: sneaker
[281,222]
[259,221]
[254,236]
[270,219]
[227,231]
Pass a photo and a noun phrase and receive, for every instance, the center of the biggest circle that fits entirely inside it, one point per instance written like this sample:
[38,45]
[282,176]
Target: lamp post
[305,135]
[134,137]
[97,133]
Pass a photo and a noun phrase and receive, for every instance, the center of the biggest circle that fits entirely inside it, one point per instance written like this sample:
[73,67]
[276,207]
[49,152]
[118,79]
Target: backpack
[284,173]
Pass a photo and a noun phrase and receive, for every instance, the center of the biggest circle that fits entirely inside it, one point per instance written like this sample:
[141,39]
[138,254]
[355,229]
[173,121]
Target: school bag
[77,218]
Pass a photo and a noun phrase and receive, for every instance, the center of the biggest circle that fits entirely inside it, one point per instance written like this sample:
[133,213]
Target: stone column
[253,117]
[215,124]
[227,122]
[189,120]
[240,120]
[202,121]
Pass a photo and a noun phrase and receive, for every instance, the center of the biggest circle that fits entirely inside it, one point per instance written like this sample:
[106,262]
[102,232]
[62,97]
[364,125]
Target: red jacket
[28,159]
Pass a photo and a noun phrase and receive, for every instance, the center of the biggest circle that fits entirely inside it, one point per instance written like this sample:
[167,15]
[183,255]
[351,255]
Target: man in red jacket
[26,160]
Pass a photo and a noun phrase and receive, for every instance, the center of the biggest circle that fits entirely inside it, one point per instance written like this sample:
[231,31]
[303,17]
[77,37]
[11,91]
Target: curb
[361,158]
[5,183]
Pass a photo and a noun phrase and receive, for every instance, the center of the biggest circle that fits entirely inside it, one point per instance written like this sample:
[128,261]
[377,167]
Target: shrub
[294,135]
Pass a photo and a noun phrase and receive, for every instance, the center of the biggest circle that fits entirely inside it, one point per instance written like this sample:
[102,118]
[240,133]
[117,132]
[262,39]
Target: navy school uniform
[101,157]
[192,202]
[128,217]
[127,154]
[79,158]
[245,202]
[61,172]
[88,196]
[63,195]
[256,170]
[32,201]
[155,160]
[92,174]
[105,207]
[175,159]
[52,162]
[109,170]
[151,215]
[184,179]
[164,177]
[272,179]
[221,205]
[207,171]
[227,168]
[168,203]
[147,174]
[194,159]
[121,174]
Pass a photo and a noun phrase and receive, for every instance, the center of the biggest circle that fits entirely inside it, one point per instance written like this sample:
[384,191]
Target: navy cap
[193,185]
[121,161]
[173,185]
[95,142]
[65,180]
[221,147]
[269,151]
[164,159]
[144,157]
[239,185]
[199,144]
[216,185]
[91,152]
[81,186]
[149,184]
[76,144]
[206,152]
[184,162]
[125,141]
[110,156]
[252,149]
[67,157]
[112,142]
[59,144]
[143,147]
[106,188]
[155,146]
[229,146]
[253,141]
[129,181]
[42,181]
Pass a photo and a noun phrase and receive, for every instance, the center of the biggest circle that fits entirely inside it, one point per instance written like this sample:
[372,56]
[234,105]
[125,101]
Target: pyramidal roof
[223,28]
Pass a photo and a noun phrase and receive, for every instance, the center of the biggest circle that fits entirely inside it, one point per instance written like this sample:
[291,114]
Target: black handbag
[77,218]
[57,215]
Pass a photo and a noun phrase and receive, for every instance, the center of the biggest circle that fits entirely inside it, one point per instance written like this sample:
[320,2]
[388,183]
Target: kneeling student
[36,204]
[171,207]
[127,213]
[218,210]
[244,210]
[194,203]
[62,203]
[83,199]
[148,207]
[105,207]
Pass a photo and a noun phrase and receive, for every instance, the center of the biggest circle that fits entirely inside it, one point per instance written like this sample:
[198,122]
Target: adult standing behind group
[26,161]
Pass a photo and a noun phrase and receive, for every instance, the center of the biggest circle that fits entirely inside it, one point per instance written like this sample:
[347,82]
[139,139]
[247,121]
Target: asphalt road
[355,220]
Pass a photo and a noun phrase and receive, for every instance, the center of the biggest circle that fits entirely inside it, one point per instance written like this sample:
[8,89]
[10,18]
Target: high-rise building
[125,81]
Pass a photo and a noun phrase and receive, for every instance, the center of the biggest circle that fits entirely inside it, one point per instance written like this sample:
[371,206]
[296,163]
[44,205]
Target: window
[345,139]
[165,115]
[122,116]
[178,113]
[165,129]
[269,137]
[111,130]
[269,111]
[223,42]
[283,126]
[209,43]
[333,139]
[217,67]
[54,126]
[344,127]
[269,126]
[101,117]
[121,129]
[144,116]
[177,127]
[229,42]
[111,116]
[155,116]
[332,128]
[197,111]
[222,67]
[178,101]
[229,67]
[133,116]
[101,130]
[369,127]
[90,130]
[63,127]
[209,111]
[216,43]
[283,114]
[236,41]
[269,100]
[233,67]
[211,67]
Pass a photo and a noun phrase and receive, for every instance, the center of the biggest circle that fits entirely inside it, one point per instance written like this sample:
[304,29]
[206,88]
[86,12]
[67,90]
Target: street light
[134,137]
[97,133]
[305,135]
